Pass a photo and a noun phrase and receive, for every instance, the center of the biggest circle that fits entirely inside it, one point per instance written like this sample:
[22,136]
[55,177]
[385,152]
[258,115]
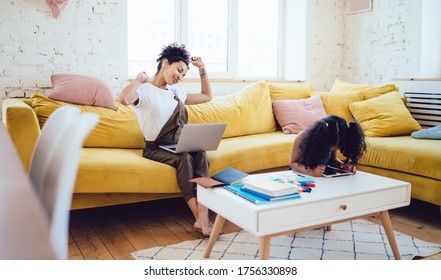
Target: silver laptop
[198,137]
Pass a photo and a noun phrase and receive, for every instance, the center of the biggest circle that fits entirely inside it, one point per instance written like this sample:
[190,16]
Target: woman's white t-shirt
[155,107]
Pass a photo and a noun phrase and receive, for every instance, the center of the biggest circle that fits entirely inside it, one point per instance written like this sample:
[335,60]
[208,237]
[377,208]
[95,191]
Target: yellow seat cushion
[110,170]
[405,154]
[337,103]
[247,111]
[368,91]
[280,92]
[116,129]
[385,115]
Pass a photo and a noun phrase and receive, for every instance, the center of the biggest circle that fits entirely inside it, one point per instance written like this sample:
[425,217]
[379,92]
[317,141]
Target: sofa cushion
[247,111]
[123,171]
[368,91]
[385,115]
[297,115]
[280,92]
[82,90]
[116,129]
[405,154]
[337,103]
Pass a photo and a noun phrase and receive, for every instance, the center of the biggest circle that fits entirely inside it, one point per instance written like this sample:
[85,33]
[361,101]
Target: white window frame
[291,36]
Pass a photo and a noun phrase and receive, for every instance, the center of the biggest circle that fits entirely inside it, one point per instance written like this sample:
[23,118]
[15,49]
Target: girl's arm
[336,162]
[206,93]
[298,167]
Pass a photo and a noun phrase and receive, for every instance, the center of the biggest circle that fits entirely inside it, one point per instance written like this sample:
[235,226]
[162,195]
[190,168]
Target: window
[238,39]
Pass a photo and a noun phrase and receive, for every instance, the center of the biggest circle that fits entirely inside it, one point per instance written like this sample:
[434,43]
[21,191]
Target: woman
[317,146]
[161,115]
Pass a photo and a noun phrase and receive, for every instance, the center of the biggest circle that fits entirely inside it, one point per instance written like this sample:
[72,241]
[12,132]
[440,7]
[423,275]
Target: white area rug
[355,240]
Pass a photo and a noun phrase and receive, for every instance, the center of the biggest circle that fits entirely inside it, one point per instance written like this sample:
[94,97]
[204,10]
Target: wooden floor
[112,233]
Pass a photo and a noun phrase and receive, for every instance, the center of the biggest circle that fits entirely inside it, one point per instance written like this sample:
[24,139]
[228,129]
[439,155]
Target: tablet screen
[331,171]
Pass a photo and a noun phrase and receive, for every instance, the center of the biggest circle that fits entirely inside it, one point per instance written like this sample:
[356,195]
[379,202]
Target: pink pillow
[297,115]
[82,90]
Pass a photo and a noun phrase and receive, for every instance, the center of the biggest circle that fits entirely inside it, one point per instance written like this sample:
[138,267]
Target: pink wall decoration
[56,6]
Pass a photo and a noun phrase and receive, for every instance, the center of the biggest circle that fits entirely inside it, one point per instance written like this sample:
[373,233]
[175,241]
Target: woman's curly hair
[173,53]
[329,132]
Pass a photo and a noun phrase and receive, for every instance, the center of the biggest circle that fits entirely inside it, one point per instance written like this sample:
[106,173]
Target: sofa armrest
[22,124]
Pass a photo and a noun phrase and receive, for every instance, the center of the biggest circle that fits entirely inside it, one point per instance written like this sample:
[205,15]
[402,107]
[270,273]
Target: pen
[298,174]
[302,187]
[305,188]
[308,184]
[295,182]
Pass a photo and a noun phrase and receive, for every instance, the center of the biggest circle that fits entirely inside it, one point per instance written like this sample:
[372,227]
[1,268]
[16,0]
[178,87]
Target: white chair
[60,179]
[50,135]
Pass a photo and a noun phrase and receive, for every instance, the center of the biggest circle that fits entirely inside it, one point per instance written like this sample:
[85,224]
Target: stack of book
[271,189]
[264,190]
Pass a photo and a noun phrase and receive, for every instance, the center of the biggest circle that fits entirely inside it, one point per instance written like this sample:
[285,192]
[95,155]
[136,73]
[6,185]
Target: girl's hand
[142,78]
[348,167]
[197,61]
[318,171]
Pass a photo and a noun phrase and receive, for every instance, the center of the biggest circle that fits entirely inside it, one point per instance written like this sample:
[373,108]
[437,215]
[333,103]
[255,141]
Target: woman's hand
[197,61]
[142,78]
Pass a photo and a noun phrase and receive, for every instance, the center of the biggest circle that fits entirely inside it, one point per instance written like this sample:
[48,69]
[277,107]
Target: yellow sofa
[112,170]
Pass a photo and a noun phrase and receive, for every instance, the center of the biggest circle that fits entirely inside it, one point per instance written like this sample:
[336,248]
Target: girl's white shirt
[155,107]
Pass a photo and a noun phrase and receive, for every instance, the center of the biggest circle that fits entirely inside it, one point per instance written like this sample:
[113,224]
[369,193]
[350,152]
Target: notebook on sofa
[198,137]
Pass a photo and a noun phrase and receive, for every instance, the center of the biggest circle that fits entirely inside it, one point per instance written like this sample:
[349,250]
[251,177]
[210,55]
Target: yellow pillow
[337,103]
[247,111]
[368,91]
[116,129]
[385,115]
[279,92]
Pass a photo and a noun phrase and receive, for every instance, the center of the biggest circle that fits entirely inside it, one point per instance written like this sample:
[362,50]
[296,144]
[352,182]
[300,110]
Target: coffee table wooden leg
[218,223]
[387,225]
[264,247]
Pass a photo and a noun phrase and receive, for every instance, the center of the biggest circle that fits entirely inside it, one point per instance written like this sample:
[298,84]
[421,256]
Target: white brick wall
[89,38]
[380,44]
[325,42]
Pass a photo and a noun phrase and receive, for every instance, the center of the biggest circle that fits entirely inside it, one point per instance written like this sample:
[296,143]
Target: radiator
[425,107]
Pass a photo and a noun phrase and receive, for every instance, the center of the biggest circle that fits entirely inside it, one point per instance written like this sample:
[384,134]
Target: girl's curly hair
[173,53]
[329,132]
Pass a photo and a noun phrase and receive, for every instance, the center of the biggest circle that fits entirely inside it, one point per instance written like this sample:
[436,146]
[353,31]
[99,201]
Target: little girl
[316,147]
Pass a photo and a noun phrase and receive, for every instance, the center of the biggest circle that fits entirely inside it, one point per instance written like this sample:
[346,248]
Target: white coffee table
[333,200]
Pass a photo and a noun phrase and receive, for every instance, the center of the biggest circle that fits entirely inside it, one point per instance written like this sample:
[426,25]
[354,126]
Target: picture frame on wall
[358,6]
